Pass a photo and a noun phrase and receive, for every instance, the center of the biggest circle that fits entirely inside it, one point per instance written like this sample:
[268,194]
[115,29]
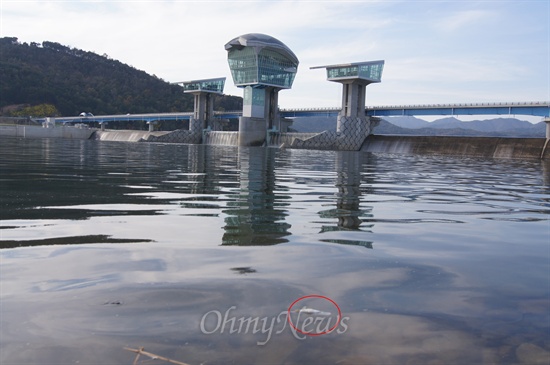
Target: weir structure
[202,90]
[354,78]
[203,111]
[262,66]
[353,124]
[202,119]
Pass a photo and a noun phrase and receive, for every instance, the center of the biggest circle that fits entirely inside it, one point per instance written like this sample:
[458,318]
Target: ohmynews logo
[321,317]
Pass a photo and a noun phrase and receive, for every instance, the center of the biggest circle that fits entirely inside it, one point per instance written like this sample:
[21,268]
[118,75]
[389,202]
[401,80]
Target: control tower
[202,91]
[261,65]
[353,125]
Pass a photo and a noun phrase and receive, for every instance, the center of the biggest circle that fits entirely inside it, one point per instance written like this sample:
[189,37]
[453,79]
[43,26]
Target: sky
[435,51]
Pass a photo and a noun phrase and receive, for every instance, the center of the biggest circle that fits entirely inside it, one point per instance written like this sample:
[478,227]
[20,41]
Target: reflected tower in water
[348,212]
[257,216]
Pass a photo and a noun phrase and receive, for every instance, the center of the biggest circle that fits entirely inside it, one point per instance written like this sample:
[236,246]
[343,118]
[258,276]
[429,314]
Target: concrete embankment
[71,132]
[486,147]
[33,131]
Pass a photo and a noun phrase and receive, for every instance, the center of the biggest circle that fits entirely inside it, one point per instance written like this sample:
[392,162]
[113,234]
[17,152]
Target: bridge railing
[325,109]
[463,105]
[538,108]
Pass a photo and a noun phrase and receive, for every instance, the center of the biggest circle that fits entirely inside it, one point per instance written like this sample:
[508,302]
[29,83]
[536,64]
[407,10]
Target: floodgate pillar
[353,125]
[203,101]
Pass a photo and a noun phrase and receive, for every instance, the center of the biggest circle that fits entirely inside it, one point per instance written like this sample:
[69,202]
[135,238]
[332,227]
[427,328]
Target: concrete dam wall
[486,147]
[31,131]
[125,135]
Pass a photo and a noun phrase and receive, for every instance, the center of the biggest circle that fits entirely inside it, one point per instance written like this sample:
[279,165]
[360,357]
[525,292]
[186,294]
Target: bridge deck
[541,109]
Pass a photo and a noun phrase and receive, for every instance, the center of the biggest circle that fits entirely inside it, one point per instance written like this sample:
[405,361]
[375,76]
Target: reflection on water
[130,245]
[97,238]
[348,212]
[257,215]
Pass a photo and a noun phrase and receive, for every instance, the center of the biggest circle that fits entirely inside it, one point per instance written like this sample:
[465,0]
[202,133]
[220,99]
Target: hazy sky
[435,51]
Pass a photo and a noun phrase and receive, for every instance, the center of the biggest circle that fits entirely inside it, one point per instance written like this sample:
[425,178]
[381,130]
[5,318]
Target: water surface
[107,245]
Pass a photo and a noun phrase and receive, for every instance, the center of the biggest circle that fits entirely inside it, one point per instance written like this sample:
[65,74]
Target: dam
[484,147]
[262,66]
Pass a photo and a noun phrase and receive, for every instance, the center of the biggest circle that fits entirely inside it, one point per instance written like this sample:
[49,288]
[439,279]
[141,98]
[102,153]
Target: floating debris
[311,311]
[243,270]
[113,302]
[141,351]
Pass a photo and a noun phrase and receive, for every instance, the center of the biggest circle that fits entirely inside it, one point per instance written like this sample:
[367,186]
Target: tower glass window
[275,69]
[244,66]
[207,85]
[260,60]
[366,72]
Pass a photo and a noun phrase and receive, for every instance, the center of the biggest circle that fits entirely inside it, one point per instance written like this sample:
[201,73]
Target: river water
[205,255]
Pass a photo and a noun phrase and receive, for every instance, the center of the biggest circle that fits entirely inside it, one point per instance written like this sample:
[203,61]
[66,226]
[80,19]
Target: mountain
[498,127]
[489,125]
[447,122]
[450,126]
[313,124]
[74,81]
[408,121]
[386,127]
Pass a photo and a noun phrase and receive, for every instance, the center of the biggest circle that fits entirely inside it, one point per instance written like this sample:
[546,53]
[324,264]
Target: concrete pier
[252,131]
[353,125]
[547,121]
[203,102]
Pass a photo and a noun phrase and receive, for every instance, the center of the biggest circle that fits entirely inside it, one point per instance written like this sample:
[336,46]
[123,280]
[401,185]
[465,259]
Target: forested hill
[70,81]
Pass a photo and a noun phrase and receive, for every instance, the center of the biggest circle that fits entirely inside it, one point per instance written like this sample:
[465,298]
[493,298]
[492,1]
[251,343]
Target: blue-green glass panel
[205,85]
[266,68]
[253,96]
[371,71]
[275,69]
[243,66]
[348,71]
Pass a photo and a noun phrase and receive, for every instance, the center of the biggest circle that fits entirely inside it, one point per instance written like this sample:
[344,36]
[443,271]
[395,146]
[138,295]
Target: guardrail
[463,105]
[539,108]
[425,106]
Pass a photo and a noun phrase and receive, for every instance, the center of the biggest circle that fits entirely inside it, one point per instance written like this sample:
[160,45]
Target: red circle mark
[314,296]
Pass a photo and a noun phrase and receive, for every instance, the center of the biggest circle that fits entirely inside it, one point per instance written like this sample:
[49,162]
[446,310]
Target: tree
[42,110]
[74,80]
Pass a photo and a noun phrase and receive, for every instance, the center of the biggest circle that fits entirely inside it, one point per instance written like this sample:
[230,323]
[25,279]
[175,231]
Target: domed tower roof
[261,41]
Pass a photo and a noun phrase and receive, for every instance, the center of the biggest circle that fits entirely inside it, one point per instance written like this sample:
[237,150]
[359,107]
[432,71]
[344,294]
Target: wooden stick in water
[141,351]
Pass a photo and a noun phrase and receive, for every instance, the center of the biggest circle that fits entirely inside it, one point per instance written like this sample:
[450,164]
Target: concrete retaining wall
[487,147]
[32,131]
